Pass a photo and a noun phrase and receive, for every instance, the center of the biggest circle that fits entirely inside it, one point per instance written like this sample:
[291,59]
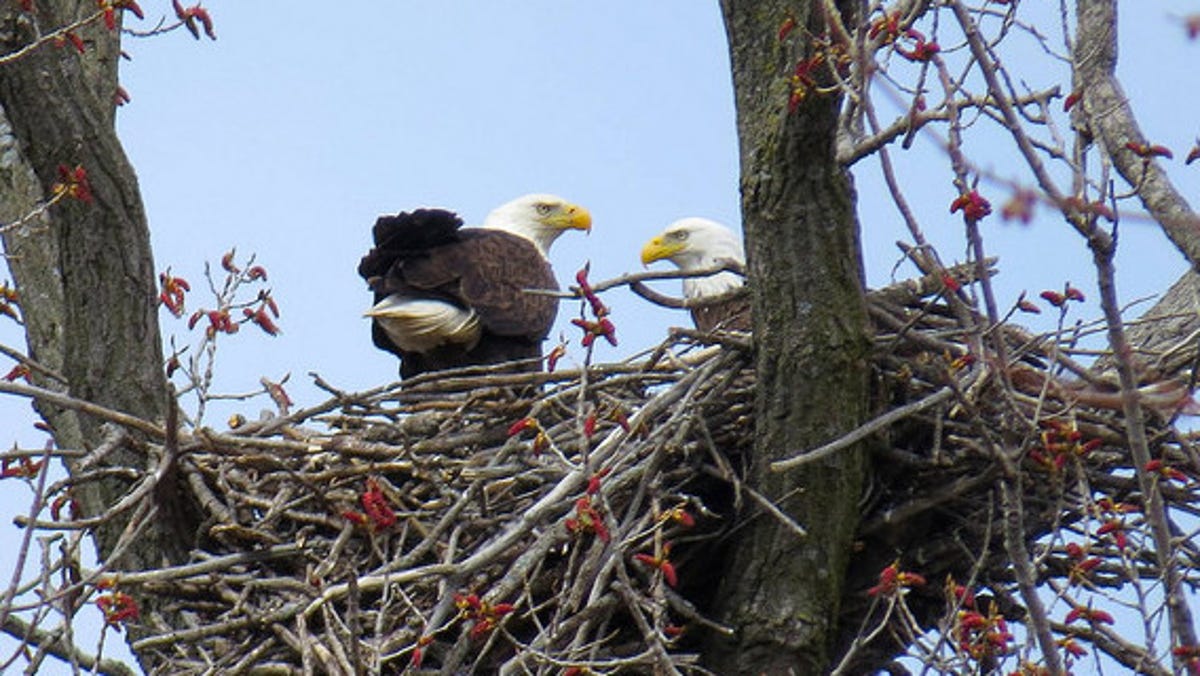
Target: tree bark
[1109,117]
[810,328]
[84,269]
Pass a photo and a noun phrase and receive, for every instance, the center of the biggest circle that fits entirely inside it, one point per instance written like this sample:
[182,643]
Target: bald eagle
[698,244]
[448,296]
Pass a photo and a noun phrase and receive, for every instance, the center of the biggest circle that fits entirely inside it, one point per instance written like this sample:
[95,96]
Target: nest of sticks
[476,521]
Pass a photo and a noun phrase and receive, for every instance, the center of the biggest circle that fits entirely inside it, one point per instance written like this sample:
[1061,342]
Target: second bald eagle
[698,244]
[448,296]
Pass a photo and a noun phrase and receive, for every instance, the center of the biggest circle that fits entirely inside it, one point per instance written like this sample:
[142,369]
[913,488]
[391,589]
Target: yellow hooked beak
[571,217]
[659,249]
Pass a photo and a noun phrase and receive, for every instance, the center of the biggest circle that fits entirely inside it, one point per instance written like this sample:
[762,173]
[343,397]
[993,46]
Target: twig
[35,506]
[1178,611]
[54,645]
[74,404]
[863,431]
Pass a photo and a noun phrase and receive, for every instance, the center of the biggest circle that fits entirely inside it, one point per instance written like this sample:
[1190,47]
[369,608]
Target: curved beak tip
[582,220]
[652,251]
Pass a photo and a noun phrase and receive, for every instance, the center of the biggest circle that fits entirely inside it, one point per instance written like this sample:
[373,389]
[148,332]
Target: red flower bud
[668,571]
[26,468]
[1054,298]
[973,206]
[662,563]
[785,28]
[131,6]
[952,285]
[558,352]
[19,371]
[418,657]
[117,608]
[681,516]
[1147,151]
[172,365]
[1020,206]
[227,262]
[593,486]
[1193,154]
[262,319]
[540,443]
[608,330]
[376,505]
[72,38]
[522,425]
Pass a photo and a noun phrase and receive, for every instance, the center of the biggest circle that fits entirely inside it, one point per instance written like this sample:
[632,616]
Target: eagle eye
[680,235]
[543,209]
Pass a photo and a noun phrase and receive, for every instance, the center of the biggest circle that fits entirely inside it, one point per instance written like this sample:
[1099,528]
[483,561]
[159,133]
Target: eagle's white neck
[541,235]
[717,251]
[713,285]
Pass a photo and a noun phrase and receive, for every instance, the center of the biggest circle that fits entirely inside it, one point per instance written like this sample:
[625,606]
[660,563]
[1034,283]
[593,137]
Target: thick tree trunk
[84,269]
[781,591]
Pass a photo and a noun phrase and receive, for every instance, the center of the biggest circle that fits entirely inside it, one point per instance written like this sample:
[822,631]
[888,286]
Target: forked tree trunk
[781,591]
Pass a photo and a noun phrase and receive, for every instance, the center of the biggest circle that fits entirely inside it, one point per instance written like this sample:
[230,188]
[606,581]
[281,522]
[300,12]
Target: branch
[54,644]
[632,278]
[686,303]
[726,265]
[900,293]
[1110,117]
[1026,572]
[1179,614]
[59,34]
[850,152]
[863,431]
[65,401]
[35,506]
[212,565]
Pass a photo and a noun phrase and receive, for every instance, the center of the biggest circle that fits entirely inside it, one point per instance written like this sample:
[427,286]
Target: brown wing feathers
[729,315]
[426,254]
[501,267]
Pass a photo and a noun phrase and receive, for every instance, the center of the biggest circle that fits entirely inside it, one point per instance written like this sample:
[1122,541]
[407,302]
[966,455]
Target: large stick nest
[537,547]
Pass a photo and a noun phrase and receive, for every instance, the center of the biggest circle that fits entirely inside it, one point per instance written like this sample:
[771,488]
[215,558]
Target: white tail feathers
[423,324]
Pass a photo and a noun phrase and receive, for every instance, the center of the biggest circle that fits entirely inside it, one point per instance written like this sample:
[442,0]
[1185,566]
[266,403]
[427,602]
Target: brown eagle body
[732,314]
[448,296]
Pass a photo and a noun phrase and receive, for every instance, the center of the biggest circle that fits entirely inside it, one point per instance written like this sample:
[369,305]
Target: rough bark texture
[782,591]
[1110,119]
[1165,336]
[84,269]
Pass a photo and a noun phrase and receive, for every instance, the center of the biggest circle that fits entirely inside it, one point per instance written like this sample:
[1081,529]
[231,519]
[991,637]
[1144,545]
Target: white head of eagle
[697,244]
[448,296]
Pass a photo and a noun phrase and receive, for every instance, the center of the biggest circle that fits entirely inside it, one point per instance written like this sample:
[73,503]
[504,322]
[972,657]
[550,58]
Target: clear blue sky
[304,121]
